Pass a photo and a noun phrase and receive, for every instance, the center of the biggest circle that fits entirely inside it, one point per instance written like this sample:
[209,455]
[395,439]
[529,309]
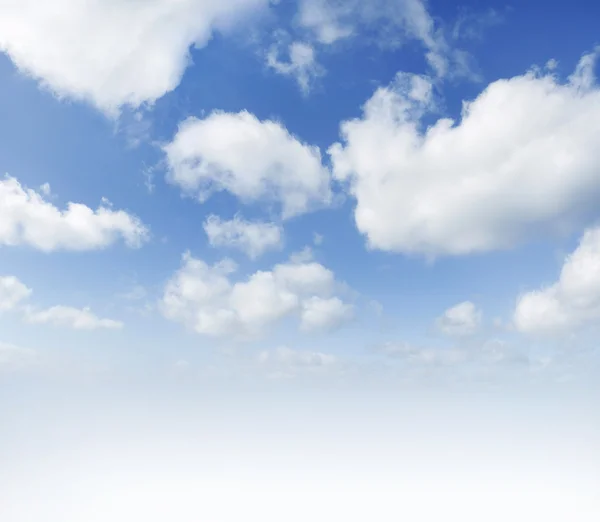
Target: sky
[225,223]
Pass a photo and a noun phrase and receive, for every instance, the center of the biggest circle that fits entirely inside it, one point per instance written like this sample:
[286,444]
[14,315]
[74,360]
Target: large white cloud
[69,317]
[26,218]
[524,159]
[205,299]
[12,293]
[254,238]
[112,52]
[252,159]
[460,320]
[571,302]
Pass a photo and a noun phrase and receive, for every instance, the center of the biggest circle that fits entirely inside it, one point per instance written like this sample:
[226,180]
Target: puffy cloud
[571,302]
[301,65]
[14,358]
[254,238]
[205,299]
[395,21]
[26,218]
[112,54]
[68,317]
[523,159]
[460,320]
[12,292]
[252,159]
[320,314]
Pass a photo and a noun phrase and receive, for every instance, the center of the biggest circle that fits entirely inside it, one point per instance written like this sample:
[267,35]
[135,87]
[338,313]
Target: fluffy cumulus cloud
[394,21]
[523,159]
[254,238]
[112,53]
[26,218]
[204,298]
[571,302]
[460,320]
[12,293]
[252,159]
[68,317]
[300,64]
[320,313]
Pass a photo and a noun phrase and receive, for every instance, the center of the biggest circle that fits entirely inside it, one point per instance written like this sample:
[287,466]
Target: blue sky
[236,221]
[59,127]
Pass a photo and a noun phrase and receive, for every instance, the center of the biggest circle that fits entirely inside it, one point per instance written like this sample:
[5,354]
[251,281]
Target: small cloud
[300,65]
[460,320]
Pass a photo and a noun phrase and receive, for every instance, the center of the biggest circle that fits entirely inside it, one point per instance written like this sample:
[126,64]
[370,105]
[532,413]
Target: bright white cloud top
[571,302]
[26,218]
[524,159]
[252,159]
[116,53]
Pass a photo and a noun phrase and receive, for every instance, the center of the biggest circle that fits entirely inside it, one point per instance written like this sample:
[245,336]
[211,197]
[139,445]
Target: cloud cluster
[254,238]
[205,299]
[26,218]
[112,54]
[571,302]
[523,159]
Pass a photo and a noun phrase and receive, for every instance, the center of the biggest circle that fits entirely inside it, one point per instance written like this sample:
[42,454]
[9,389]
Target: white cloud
[252,159]
[319,314]
[254,238]
[112,54]
[26,218]
[283,362]
[12,292]
[14,358]
[68,317]
[460,320]
[394,21]
[301,65]
[205,299]
[523,160]
[571,302]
